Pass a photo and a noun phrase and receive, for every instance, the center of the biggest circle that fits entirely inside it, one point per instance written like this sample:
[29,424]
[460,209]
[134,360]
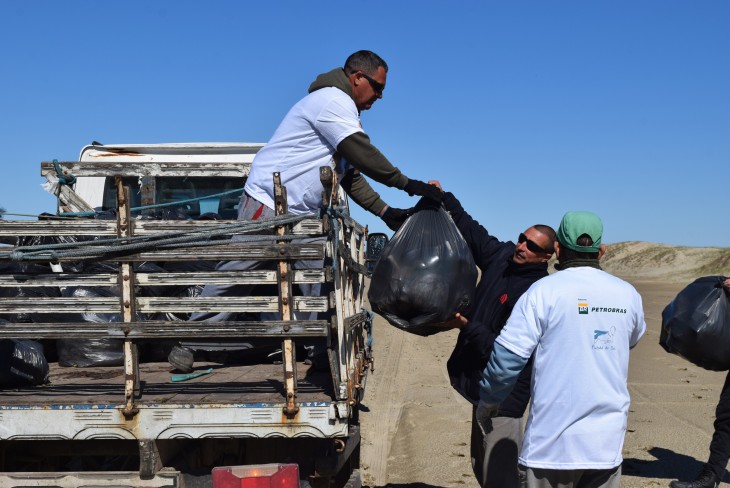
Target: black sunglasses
[531,245]
[377,87]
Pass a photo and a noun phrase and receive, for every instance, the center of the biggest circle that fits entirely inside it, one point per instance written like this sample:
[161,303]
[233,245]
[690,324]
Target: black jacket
[502,282]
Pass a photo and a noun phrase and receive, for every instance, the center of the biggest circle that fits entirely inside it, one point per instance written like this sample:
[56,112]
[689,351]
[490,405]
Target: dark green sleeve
[361,192]
[363,156]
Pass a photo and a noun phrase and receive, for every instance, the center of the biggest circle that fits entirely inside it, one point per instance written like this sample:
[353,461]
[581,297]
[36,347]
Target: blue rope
[369,328]
[63,179]
[157,205]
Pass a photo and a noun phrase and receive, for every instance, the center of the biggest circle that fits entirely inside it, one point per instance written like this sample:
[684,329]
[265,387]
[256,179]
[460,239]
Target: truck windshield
[204,191]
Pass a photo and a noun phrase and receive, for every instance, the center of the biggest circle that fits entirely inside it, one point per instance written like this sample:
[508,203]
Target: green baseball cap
[574,225]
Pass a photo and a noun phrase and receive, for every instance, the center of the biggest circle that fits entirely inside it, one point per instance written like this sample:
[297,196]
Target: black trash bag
[696,324]
[425,274]
[22,363]
[83,353]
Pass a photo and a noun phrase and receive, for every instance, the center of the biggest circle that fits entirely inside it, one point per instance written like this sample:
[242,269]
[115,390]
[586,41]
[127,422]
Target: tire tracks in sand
[378,424]
[416,427]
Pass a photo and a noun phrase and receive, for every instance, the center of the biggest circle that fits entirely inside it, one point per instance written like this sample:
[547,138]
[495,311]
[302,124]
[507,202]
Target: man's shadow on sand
[668,464]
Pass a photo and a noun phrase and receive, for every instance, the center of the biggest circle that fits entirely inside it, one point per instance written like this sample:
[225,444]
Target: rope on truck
[101,248]
[156,205]
[63,179]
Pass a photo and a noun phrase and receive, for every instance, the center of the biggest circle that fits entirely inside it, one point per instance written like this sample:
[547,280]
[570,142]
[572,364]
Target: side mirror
[376,243]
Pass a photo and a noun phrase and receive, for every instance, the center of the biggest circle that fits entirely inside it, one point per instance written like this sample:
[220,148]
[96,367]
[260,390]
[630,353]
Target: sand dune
[649,261]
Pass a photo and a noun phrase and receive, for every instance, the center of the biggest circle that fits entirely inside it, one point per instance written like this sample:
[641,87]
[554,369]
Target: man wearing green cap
[580,324]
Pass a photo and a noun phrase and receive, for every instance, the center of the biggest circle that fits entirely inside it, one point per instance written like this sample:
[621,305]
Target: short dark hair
[567,254]
[550,233]
[366,61]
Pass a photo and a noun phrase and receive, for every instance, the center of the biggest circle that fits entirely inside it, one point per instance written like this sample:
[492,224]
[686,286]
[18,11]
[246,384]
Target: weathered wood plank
[235,252]
[94,228]
[222,252]
[160,279]
[166,330]
[228,304]
[140,168]
[65,227]
[59,279]
[111,305]
[146,227]
[226,277]
[71,201]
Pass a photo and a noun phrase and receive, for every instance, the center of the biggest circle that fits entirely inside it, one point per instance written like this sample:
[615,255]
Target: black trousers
[720,445]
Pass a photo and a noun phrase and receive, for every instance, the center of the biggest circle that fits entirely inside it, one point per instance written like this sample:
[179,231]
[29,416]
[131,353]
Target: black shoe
[181,358]
[706,479]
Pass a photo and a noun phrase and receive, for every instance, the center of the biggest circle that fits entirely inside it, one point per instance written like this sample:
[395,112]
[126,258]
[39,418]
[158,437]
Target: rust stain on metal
[288,417]
[129,415]
[116,152]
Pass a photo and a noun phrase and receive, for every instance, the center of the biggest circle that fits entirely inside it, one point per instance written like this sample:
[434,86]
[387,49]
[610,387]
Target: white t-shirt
[305,140]
[580,322]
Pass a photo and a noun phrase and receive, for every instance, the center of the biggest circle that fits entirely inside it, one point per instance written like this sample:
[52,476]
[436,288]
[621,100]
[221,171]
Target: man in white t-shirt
[580,324]
[322,129]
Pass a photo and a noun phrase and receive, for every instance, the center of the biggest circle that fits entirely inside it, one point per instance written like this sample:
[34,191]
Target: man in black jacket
[507,271]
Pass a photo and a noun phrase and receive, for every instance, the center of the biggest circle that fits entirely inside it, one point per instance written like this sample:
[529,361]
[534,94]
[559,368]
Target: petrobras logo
[608,309]
[582,306]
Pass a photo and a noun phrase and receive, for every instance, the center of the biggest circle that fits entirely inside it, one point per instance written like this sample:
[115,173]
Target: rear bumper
[89,479]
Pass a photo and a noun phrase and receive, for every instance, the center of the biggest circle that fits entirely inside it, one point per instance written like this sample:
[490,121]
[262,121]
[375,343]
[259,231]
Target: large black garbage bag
[22,363]
[696,324]
[83,353]
[425,274]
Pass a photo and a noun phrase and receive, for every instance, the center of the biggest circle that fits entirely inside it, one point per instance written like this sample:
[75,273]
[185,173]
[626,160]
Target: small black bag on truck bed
[22,363]
[696,324]
[425,274]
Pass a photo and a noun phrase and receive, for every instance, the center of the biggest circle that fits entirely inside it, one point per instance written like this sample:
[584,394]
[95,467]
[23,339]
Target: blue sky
[523,109]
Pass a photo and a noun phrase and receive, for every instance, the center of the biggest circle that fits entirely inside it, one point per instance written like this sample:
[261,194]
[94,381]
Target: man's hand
[394,217]
[485,412]
[436,183]
[415,187]
[726,285]
[458,322]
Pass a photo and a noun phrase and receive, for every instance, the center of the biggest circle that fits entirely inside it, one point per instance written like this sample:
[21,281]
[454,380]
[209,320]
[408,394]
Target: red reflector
[257,476]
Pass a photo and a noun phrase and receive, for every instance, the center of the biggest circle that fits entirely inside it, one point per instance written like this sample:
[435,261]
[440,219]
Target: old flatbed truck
[275,423]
